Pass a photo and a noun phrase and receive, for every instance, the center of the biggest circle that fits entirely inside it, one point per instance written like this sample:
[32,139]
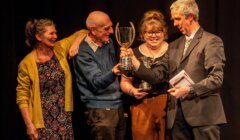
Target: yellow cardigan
[28,90]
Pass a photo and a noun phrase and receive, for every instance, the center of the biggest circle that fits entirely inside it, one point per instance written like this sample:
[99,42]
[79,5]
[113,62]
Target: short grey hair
[186,7]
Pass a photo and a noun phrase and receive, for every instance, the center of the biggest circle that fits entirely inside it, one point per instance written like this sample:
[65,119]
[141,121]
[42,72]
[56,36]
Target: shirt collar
[91,43]
[192,35]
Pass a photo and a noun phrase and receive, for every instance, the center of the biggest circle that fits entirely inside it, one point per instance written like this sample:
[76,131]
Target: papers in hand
[181,79]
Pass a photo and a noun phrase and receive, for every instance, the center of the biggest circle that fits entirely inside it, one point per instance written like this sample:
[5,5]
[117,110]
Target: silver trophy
[125,37]
[145,86]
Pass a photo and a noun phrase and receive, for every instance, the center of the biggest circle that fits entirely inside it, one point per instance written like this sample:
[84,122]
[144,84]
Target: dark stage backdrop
[217,16]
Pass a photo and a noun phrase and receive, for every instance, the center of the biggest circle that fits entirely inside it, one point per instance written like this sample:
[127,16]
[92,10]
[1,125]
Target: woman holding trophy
[148,107]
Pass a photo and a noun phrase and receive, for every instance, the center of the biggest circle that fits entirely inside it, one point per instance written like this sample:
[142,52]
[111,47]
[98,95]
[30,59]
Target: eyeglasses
[156,33]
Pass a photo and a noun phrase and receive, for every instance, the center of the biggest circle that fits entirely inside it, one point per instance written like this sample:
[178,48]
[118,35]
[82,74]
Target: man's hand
[180,92]
[116,69]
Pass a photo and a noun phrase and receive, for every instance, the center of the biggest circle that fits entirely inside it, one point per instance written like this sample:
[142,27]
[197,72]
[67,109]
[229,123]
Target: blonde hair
[155,19]
[33,27]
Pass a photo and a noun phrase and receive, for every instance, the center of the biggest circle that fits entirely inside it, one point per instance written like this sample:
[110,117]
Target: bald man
[97,80]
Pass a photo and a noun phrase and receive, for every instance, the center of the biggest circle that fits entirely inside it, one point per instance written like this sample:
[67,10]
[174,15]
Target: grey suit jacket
[204,62]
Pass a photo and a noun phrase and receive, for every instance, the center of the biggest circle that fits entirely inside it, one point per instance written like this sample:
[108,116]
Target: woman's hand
[73,50]
[138,93]
[129,53]
[124,52]
[32,132]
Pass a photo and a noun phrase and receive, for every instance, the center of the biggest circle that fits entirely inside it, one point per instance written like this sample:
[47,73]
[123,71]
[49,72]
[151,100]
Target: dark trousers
[106,124]
[183,131]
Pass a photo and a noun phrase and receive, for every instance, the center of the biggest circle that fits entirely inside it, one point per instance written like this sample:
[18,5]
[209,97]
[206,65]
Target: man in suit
[195,112]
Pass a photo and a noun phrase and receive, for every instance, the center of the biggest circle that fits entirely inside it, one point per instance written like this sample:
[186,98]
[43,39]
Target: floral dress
[58,122]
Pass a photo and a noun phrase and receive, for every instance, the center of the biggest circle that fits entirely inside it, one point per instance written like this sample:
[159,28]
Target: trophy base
[145,86]
[127,72]
[126,66]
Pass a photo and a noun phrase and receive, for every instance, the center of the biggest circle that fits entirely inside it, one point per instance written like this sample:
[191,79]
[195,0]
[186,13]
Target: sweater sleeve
[23,87]
[214,65]
[156,75]
[66,43]
[86,66]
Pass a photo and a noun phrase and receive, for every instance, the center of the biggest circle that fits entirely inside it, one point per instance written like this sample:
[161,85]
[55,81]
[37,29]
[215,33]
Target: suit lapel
[176,53]
[194,43]
[180,50]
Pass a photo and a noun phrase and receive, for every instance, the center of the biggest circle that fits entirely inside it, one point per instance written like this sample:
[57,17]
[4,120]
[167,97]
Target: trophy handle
[133,33]
[117,34]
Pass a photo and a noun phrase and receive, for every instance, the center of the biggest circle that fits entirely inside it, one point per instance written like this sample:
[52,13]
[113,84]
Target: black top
[155,65]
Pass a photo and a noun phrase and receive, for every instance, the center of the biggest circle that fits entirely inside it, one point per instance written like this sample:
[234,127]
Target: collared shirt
[192,35]
[91,43]
[94,46]
[189,40]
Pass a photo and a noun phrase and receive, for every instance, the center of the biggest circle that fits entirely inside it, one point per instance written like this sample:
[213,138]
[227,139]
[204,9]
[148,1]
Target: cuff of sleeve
[140,69]
[23,106]
[191,94]
[111,75]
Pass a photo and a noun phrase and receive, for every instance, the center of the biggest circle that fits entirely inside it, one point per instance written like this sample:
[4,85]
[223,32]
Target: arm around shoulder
[72,42]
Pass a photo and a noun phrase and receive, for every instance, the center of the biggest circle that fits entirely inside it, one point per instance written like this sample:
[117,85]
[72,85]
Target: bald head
[99,26]
[96,18]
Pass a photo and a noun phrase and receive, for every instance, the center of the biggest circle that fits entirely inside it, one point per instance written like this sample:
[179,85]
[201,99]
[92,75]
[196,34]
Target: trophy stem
[126,63]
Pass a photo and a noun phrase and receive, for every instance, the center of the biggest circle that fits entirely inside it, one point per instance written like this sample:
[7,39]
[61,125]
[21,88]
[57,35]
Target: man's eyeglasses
[151,33]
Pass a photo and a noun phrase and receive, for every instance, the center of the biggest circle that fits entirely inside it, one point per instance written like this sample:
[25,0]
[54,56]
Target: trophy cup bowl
[145,86]
[125,37]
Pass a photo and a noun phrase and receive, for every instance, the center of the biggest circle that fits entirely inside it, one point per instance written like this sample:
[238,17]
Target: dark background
[220,17]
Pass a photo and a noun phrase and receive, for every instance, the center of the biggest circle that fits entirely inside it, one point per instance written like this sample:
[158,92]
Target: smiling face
[100,27]
[153,34]
[48,37]
[182,22]
[102,33]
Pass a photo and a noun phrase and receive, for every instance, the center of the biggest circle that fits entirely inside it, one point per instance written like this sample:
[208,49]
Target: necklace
[155,52]
[158,52]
